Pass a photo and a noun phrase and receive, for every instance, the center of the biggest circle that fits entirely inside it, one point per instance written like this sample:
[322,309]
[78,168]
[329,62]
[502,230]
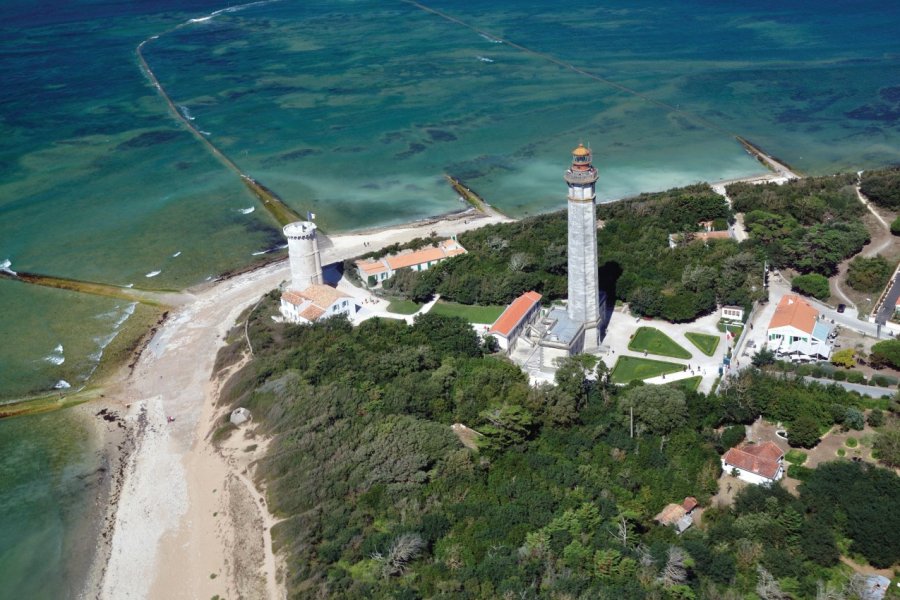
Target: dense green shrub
[839,376]
[854,419]
[875,418]
[804,432]
[886,353]
[882,186]
[856,377]
[814,285]
[869,274]
[895,226]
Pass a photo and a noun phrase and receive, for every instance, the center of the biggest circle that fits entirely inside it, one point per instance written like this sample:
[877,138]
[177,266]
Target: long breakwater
[271,202]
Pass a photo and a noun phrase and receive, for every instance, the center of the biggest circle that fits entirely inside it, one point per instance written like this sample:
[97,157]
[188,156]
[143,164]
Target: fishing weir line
[575,69]
[273,204]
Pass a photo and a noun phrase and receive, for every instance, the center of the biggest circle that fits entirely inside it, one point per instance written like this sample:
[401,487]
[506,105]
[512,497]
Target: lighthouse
[584,304]
[303,254]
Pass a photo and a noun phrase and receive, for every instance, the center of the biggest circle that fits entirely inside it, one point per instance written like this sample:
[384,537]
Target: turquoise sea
[354,110]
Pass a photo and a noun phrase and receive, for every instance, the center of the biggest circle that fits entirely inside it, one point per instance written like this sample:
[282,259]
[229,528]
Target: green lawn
[469,312]
[403,307]
[734,328]
[706,343]
[654,341]
[629,368]
[689,385]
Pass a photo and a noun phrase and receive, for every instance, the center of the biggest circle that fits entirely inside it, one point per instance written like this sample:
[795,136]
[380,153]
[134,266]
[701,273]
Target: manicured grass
[734,328]
[705,342]
[654,341]
[629,368]
[689,385]
[403,307]
[851,442]
[469,312]
[795,457]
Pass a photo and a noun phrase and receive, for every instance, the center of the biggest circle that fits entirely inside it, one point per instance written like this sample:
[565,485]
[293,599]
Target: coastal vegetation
[377,498]
[869,274]
[882,186]
[809,225]
[636,263]
[812,284]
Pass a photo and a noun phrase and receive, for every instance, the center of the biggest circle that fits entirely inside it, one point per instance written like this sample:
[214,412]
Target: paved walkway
[623,325]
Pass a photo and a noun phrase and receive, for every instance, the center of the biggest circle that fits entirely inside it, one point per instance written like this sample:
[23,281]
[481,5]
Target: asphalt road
[865,390]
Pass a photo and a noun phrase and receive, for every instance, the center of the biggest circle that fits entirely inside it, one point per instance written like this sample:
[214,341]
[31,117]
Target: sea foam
[62,384]
[152,273]
[247,211]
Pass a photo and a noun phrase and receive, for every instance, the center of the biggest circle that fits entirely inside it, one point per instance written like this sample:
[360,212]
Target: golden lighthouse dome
[581,151]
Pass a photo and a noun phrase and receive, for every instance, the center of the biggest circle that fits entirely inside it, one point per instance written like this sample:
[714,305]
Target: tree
[675,571]
[886,353]
[767,587]
[887,446]
[895,226]
[762,358]
[804,432]
[657,409]
[854,419]
[844,358]
[506,425]
[875,418]
[403,550]
[814,285]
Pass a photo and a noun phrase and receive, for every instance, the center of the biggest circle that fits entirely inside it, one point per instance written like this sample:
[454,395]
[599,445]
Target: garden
[654,341]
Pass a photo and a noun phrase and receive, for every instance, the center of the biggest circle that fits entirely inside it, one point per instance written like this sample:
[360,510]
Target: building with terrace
[314,303]
[796,332]
[374,271]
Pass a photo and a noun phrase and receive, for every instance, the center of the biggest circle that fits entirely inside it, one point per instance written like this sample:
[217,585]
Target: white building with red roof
[796,332]
[316,302]
[521,313]
[755,463]
[373,272]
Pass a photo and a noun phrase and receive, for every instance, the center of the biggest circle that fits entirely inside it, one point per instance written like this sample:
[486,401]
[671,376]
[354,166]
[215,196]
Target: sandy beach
[186,520]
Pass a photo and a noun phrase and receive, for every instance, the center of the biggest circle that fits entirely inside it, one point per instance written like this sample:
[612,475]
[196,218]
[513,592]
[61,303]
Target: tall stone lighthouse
[584,304]
[303,253]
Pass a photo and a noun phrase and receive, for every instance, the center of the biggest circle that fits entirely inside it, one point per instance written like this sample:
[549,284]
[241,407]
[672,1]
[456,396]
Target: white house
[373,272]
[755,463]
[733,313]
[314,303]
[796,333]
[521,313]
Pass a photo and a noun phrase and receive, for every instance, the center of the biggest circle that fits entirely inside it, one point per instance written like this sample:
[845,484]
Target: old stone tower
[584,292]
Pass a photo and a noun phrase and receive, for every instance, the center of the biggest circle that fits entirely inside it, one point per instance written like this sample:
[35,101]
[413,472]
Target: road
[865,390]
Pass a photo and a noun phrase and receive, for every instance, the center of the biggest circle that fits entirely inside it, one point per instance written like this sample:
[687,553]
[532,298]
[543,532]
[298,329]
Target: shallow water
[48,483]
[354,110]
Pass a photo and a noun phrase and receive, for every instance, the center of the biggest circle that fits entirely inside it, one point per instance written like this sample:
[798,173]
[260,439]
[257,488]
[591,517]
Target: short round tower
[303,252]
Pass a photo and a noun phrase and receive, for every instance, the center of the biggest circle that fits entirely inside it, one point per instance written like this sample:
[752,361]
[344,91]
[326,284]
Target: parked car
[842,308]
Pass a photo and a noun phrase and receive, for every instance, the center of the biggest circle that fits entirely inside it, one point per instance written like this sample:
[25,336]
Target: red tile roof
[372,267]
[514,313]
[760,459]
[321,295]
[712,235]
[415,258]
[794,311]
[689,504]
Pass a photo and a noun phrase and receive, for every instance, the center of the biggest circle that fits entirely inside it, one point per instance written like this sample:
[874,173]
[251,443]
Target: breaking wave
[152,273]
